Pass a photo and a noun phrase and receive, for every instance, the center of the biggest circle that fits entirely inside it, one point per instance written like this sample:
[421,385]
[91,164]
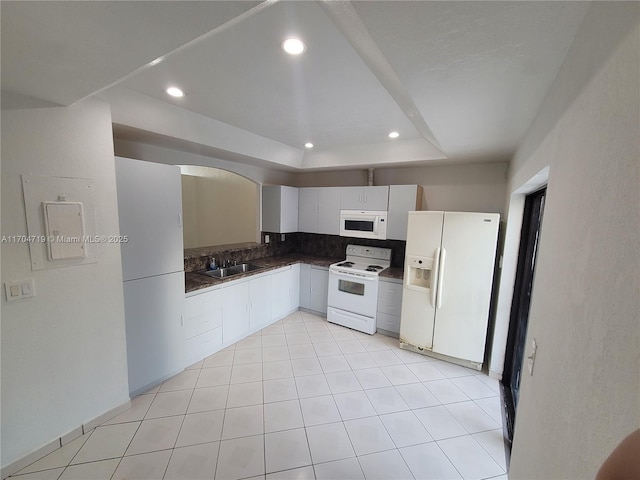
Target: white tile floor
[302,399]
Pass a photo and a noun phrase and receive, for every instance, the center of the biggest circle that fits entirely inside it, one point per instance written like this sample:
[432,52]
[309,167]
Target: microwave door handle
[434,277]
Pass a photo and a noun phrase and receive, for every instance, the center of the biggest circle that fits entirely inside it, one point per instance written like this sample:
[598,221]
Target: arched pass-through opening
[219,207]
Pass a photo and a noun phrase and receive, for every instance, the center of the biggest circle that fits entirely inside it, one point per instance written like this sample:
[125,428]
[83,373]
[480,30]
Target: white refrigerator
[448,277]
[150,211]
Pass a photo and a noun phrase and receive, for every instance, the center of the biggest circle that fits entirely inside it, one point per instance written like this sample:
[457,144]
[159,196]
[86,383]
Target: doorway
[521,301]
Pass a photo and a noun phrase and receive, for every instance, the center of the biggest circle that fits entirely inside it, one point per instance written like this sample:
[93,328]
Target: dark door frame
[520,304]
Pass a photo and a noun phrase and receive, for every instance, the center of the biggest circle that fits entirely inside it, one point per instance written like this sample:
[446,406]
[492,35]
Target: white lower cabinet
[314,286]
[202,325]
[260,302]
[285,291]
[235,311]
[217,318]
[319,289]
[389,305]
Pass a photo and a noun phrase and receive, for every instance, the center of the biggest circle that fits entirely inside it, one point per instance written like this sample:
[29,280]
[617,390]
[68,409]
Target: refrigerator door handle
[443,255]
[434,276]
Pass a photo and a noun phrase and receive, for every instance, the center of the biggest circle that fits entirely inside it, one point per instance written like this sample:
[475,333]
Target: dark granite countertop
[196,281]
[393,272]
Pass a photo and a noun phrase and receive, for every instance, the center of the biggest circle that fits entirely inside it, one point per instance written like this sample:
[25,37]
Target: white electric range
[353,287]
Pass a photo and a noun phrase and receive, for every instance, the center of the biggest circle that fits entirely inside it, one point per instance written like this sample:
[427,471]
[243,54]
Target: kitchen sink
[244,267]
[234,270]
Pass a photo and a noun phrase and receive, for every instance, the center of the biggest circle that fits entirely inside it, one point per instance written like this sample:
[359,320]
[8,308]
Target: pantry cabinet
[364,198]
[279,209]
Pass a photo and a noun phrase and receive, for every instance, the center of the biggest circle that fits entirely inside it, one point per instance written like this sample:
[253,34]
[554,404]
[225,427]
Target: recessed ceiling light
[308,145]
[156,61]
[394,135]
[293,46]
[175,92]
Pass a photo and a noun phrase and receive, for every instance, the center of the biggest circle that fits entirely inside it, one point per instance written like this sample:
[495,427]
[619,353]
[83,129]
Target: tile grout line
[184,417]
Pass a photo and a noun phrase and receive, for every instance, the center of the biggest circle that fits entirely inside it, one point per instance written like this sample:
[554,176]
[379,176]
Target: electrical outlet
[282,237]
[266,239]
[531,359]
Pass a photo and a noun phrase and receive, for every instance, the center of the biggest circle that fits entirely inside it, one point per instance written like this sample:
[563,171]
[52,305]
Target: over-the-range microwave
[363,224]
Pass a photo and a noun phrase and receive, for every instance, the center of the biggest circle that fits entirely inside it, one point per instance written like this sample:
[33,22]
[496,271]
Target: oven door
[353,293]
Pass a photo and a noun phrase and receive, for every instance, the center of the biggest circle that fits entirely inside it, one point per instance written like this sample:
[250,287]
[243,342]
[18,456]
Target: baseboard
[388,333]
[314,312]
[458,361]
[58,442]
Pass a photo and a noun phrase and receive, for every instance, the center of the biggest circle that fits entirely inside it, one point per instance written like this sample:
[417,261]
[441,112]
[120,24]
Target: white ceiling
[460,81]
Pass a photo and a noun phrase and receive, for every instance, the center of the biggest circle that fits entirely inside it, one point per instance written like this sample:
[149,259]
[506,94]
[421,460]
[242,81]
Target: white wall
[584,395]
[64,357]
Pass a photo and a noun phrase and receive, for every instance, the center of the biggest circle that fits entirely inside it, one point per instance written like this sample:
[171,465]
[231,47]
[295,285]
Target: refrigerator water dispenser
[419,271]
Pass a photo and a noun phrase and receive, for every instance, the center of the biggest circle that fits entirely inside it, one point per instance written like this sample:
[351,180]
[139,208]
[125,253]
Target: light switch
[19,289]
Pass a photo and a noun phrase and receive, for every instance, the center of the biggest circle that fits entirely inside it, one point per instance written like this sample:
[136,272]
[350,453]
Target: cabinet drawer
[200,304]
[203,345]
[390,323]
[202,323]
[202,313]
[390,306]
[390,290]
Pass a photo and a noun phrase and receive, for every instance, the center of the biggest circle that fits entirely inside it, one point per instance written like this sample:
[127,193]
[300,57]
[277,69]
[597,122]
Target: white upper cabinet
[402,200]
[364,198]
[329,210]
[279,209]
[319,210]
[308,209]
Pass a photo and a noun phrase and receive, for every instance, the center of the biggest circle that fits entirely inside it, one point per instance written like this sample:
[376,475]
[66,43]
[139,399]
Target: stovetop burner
[360,258]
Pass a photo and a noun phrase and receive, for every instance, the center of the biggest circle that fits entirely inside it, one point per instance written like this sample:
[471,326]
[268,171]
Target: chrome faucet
[227,263]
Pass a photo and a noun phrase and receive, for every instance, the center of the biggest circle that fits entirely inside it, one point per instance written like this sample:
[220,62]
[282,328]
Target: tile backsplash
[335,246]
[331,246]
